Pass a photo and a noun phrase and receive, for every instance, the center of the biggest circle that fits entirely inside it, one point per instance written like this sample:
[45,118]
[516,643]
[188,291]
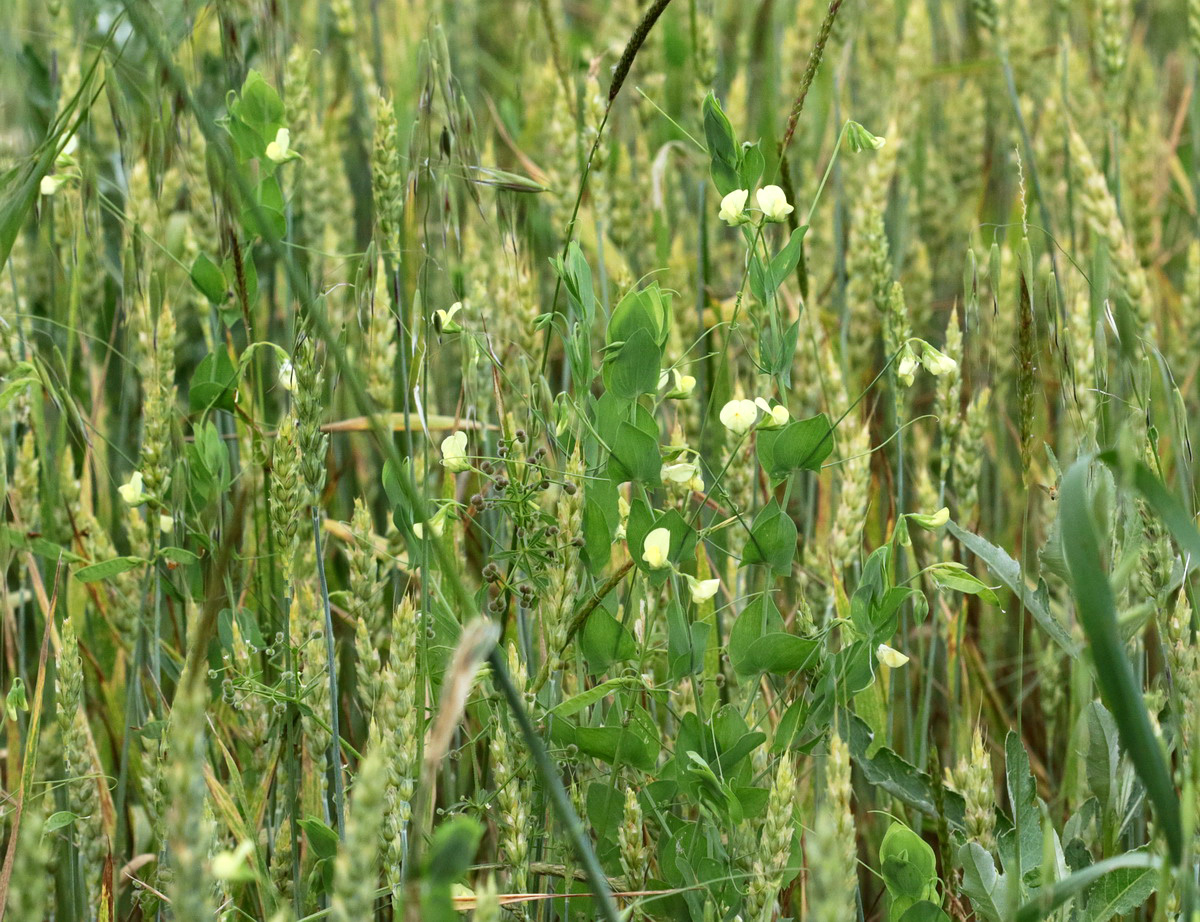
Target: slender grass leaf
[1114,673]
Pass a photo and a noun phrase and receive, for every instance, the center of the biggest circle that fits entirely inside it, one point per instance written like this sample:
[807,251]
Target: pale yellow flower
[656,548]
[280,149]
[739,416]
[51,184]
[906,367]
[682,387]
[445,318]
[890,657]
[134,493]
[937,362]
[702,589]
[733,207]
[773,416]
[774,203]
[454,453]
[931,520]
[287,375]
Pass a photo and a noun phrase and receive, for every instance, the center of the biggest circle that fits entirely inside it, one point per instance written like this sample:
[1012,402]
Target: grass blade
[1114,673]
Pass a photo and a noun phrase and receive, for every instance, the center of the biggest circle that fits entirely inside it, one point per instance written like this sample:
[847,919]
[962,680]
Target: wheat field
[564,460]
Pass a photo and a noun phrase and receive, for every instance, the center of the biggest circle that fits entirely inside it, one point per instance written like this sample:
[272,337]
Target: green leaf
[453,849]
[1114,674]
[686,643]
[751,165]
[1123,892]
[924,911]
[322,839]
[722,146]
[757,274]
[801,445]
[598,533]
[107,569]
[772,539]
[618,745]
[1007,570]
[209,279]
[604,640]
[234,282]
[758,619]
[260,106]
[584,699]
[633,370]
[1022,796]
[888,771]
[645,309]
[59,820]
[984,886]
[785,261]
[16,702]
[952,575]
[213,382]
[780,653]
[635,456]
[36,544]
[577,275]
[908,864]
[179,555]
[1102,752]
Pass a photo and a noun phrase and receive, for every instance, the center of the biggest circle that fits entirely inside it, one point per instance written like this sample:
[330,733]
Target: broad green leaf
[784,262]
[1120,892]
[983,885]
[322,839]
[772,539]
[1102,753]
[604,640]
[759,618]
[635,456]
[801,445]
[908,865]
[453,849]
[179,555]
[213,382]
[1022,796]
[722,147]
[1125,889]
[209,279]
[260,106]
[780,653]
[15,538]
[751,165]
[633,370]
[903,781]
[924,911]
